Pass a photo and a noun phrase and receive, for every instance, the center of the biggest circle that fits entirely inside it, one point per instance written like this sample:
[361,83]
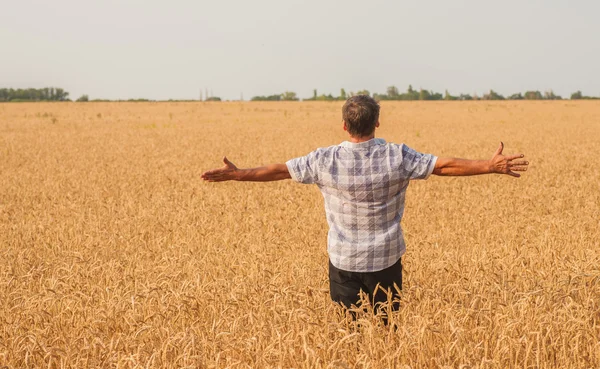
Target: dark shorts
[345,286]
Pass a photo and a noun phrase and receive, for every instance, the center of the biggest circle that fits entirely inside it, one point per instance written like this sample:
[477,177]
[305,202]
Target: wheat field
[114,253]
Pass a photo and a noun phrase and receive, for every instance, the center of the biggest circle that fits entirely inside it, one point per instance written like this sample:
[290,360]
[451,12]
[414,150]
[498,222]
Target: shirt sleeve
[416,165]
[305,168]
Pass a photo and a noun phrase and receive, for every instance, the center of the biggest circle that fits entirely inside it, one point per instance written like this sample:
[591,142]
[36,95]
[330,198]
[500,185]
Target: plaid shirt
[363,185]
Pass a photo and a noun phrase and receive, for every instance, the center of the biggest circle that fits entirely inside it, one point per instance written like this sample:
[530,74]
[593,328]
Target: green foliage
[392,92]
[449,97]
[518,96]
[324,97]
[424,95]
[493,95]
[289,96]
[436,96]
[579,96]
[429,95]
[286,96]
[266,98]
[33,94]
[410,94]
[549,95]
[329,97]
[533,95]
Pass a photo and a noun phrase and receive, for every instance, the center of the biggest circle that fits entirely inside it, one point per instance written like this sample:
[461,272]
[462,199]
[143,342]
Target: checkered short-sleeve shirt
[363,185]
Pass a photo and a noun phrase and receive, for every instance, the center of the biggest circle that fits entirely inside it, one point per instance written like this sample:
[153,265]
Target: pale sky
[172,49]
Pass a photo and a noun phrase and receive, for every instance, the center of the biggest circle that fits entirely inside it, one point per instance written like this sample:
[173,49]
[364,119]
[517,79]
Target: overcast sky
[172,49]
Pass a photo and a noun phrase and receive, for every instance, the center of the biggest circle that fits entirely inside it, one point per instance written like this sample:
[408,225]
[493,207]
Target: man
[363,182]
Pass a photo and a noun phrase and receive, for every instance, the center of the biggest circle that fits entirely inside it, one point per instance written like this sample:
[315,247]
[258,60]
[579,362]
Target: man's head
[361,115]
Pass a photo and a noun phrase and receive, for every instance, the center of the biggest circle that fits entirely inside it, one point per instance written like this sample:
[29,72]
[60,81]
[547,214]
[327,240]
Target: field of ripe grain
[114,254]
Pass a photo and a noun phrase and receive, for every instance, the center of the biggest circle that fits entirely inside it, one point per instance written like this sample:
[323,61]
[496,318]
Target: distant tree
[549,95]
[61,95]
[436,95]
[465,97]
[267,98]
[579,96]
[533,95]
[364,92]
[213,98]
[449,97]
[410,94]
[379,97]
[516,97]
[324,97]
[289,96]
[576,95]
[343,94]
[429,95]
[493,95]
[83,98]
[392,93]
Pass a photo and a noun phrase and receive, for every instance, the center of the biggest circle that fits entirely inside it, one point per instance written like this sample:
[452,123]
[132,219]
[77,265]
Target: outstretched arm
[273,172]
[497,164]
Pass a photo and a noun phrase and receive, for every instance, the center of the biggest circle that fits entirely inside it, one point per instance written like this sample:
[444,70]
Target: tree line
[34,94]
[286,96]
[392,93]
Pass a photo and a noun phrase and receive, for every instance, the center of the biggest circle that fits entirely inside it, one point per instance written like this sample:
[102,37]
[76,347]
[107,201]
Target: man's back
[364,187]
[364,182]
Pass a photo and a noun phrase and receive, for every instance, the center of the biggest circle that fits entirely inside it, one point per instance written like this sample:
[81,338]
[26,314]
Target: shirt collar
[362,145]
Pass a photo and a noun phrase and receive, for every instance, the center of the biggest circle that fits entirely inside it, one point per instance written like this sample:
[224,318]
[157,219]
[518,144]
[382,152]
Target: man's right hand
[268,173]
[227,173]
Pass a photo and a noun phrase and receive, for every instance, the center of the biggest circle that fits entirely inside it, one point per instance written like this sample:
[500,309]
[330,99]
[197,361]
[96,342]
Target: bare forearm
[230,172]
[272,172]
[501,164]
[462,167]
